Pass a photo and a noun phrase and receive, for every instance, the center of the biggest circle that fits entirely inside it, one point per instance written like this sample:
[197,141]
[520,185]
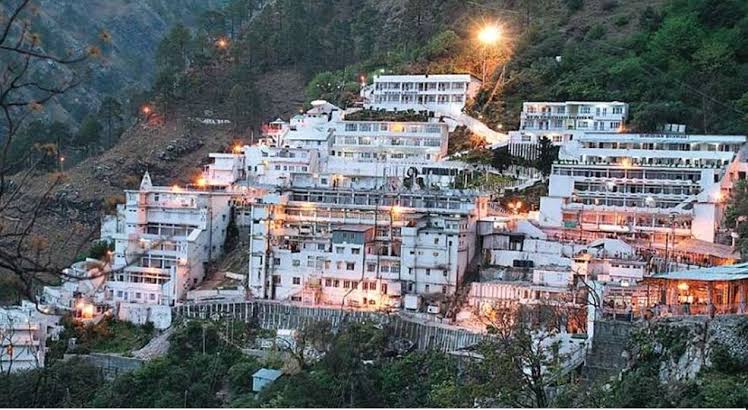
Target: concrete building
[650,187]
[163,238]
[562,122]
[439,93]
[361,248]
[23,336]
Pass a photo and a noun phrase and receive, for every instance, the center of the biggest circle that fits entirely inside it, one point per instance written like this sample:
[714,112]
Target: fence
[271,315]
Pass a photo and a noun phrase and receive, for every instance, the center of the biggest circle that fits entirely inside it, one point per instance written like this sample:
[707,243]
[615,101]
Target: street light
[488,36]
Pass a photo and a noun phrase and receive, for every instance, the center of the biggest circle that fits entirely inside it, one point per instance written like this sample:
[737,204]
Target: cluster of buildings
[363,209]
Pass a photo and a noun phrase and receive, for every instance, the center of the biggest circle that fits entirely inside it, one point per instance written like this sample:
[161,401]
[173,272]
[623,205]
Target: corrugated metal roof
[716,273]
[268,374]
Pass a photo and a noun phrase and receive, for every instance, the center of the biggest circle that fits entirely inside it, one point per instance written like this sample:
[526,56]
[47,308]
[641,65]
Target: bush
[574,5]
[621,20]
[608,5]
[240,376]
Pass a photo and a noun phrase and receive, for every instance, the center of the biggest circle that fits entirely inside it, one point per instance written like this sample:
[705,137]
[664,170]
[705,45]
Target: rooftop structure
[441,93]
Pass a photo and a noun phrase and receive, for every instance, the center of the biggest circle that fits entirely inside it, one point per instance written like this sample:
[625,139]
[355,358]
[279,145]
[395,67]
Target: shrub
[574,5]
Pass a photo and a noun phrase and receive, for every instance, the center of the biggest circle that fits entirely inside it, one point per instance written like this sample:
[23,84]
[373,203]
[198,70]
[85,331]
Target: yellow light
[222,43]
[718,197]
[489,34]
[237,149]
[683,286]
[397,127]
[202,182]
[176,188]
[626,163]
[146,109]
[519,204]
[396,210]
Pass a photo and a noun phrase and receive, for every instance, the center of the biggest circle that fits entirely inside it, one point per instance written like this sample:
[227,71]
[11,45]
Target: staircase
[606,359]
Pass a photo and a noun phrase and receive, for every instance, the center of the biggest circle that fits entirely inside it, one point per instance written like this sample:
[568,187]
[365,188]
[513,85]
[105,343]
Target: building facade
[440,93]
[651,187]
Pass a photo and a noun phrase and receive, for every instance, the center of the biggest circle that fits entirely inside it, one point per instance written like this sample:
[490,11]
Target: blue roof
[738,271]
[268,374]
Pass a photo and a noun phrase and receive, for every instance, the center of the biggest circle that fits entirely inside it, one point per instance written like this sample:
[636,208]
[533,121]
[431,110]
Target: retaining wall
[270,315]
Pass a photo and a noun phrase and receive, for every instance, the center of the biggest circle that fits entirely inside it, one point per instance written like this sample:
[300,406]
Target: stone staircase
[606,358]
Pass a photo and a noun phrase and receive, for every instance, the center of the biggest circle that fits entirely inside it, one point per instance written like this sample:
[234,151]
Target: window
[371,267]
[436,241]
[384,288]
[296,280]
[428,271]
[373,286]
[617,110]
[320,246]
[328,283]
[119,293]
[350,266]
[296,262]
[428,289]
[276,279]
[355,251]
[336,283]
[346,284]
[152,296]
[436,254]
[296,298]
[339,249]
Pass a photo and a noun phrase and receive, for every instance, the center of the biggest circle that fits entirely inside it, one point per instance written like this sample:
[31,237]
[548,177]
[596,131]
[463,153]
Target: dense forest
[358,368]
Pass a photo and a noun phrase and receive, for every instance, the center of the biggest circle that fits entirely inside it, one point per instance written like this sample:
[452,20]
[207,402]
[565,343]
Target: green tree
[89,133]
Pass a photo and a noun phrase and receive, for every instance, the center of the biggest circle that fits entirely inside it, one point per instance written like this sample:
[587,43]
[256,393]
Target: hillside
[126,33]
[263,75]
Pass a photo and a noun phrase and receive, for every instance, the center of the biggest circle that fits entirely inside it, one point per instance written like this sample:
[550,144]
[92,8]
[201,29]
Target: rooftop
[715,273]
[268,374]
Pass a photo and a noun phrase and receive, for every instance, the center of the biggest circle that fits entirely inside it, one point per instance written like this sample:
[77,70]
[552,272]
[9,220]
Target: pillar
[710,298]
[741,297]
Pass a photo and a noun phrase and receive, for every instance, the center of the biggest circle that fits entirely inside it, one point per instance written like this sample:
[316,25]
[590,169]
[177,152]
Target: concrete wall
[271,315]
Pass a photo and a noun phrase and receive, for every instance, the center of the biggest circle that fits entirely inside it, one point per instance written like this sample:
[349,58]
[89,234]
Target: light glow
[489,34]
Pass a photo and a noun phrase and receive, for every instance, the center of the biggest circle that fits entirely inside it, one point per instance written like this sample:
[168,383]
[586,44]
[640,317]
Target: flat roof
[657,137]
[574,102]
[415,77]
[354,228]
[716,273]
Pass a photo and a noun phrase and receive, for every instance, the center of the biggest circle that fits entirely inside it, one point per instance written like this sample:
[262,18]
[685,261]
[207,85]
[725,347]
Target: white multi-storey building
[640,186]
[440,93]
[367,141]
[361,248]
[23,335]
[562,122]
[163,238]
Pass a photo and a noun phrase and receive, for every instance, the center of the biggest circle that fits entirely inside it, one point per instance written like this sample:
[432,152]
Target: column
[741,297]
[710,298]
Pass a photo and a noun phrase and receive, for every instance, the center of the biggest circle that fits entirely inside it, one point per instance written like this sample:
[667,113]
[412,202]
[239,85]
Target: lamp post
[488,36]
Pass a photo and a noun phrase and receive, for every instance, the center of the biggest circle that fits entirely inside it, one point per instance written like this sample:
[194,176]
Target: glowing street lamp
[488,36]
[222,43]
